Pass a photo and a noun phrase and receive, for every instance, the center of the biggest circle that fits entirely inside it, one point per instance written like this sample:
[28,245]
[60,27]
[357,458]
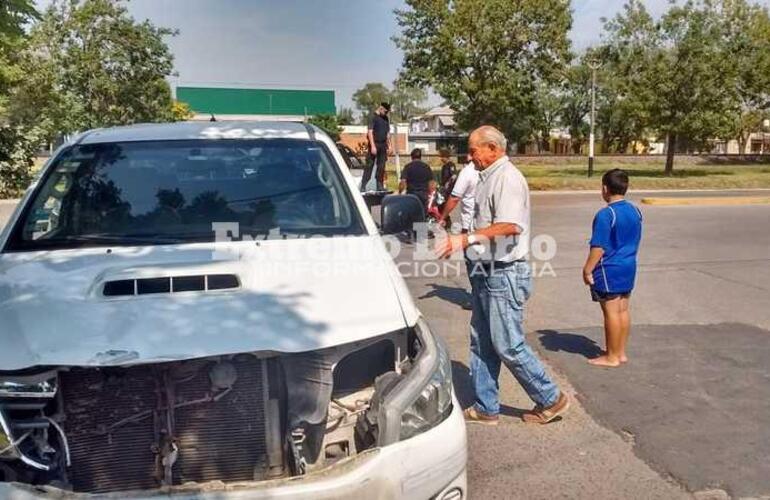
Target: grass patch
[548,174]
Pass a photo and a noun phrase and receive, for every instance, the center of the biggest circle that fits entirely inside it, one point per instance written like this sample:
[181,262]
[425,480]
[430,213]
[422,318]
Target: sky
[306,44]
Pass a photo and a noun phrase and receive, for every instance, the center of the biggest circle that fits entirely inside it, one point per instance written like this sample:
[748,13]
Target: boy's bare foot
[605,361]
[624,359]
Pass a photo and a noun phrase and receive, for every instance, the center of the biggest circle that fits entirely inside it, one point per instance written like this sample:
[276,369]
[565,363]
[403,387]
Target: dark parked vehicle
[351,158]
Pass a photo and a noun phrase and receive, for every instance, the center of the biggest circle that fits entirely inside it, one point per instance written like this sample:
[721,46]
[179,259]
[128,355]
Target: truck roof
[198,130]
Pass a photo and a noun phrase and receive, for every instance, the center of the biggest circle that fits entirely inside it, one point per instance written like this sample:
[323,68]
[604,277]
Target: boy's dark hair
[616,181]
[444,153]
[416,153]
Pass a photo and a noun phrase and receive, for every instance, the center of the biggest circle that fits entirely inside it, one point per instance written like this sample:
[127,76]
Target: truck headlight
[423,399]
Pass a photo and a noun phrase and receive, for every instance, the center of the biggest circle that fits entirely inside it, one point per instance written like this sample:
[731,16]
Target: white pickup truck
[207,310]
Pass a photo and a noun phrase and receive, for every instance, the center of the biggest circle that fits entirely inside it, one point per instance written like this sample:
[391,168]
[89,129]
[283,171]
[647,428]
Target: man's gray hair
[487,134]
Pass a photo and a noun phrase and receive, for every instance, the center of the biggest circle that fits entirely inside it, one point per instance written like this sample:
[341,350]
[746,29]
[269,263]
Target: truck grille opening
[142,427]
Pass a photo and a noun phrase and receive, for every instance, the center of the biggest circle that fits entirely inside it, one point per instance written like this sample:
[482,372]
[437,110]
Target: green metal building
[243,103]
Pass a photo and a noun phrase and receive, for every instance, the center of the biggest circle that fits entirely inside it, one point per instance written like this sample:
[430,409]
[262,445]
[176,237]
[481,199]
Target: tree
[369,97]
[674,74]
[486,58]
[546,116]
[18,148]
[14,16]
[90,64]
[575,103]
[329,124]
[18,145]
[407,101]
[747,39]
[345,116]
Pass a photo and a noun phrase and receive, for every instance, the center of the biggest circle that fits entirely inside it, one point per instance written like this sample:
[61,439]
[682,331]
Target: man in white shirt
[502,282]
[464,192]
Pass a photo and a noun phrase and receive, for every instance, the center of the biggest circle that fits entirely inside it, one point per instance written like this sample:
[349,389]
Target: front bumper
[426,466]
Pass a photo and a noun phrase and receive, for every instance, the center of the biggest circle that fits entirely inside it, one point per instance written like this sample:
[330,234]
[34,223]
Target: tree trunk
[743,144]
[670,150]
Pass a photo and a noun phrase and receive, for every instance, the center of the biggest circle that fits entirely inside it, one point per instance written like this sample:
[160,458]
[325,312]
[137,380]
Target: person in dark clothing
[415,177]
[448,173]
[378,138]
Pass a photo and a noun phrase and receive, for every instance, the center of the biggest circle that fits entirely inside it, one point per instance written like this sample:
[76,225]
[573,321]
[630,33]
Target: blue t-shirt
[617,229]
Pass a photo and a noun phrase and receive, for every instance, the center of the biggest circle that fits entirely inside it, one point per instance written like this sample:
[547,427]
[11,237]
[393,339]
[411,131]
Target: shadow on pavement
[454,294]
[569,342]
[695,398]
[461,378]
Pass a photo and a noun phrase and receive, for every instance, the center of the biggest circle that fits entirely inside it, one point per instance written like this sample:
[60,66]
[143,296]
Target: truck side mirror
[400,213]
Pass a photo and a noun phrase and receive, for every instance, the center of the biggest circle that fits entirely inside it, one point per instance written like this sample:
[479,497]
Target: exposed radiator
[117,421]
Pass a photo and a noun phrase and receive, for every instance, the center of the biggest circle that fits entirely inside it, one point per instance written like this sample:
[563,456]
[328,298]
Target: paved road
[693,404]
[688,413]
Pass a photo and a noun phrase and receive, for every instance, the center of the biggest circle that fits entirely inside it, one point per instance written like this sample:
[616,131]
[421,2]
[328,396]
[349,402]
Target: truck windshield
[166,192]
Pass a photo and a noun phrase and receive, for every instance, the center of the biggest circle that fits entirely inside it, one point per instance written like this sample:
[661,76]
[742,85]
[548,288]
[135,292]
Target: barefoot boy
[610,269]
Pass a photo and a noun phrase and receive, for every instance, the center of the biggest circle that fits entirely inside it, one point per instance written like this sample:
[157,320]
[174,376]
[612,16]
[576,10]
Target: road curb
[638,191]
[714,200]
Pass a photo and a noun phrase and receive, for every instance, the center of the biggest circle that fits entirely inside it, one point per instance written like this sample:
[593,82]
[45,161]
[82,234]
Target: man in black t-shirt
[378,138]
[415,177]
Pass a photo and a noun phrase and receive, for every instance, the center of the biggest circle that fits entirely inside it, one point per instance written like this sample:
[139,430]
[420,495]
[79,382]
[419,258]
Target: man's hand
[453,243]
[373,149]
[588,277]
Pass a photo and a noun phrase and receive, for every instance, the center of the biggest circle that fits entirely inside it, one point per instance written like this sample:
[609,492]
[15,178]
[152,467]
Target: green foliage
[369,97]
[17,153]
[548,103]
[329,124]
[14,16]
[17,145]
[672,76]
[180,111]
[486,58]
[345,116]
[747,40]
[575,103]
[407,102]
[89,64]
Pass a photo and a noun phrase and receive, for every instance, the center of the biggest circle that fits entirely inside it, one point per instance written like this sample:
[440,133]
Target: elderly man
[501,283]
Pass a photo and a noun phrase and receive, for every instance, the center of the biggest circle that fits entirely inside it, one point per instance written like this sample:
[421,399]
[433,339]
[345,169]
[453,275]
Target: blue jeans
[497,336]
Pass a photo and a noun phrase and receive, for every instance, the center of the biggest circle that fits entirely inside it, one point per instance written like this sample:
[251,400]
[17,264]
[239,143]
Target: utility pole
[593,65]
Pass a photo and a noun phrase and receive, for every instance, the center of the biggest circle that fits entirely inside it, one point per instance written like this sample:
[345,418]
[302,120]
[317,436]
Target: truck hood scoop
[169,284]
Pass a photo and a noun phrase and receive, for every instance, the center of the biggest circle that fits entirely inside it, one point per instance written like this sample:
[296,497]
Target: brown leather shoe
[540,415]
[472,416]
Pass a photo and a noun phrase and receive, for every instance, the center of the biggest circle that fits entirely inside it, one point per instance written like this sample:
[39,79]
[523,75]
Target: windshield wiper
[146,239]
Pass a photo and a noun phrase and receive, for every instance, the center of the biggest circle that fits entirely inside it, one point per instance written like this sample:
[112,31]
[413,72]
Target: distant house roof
[447,121]
[241,101]
[440,111]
